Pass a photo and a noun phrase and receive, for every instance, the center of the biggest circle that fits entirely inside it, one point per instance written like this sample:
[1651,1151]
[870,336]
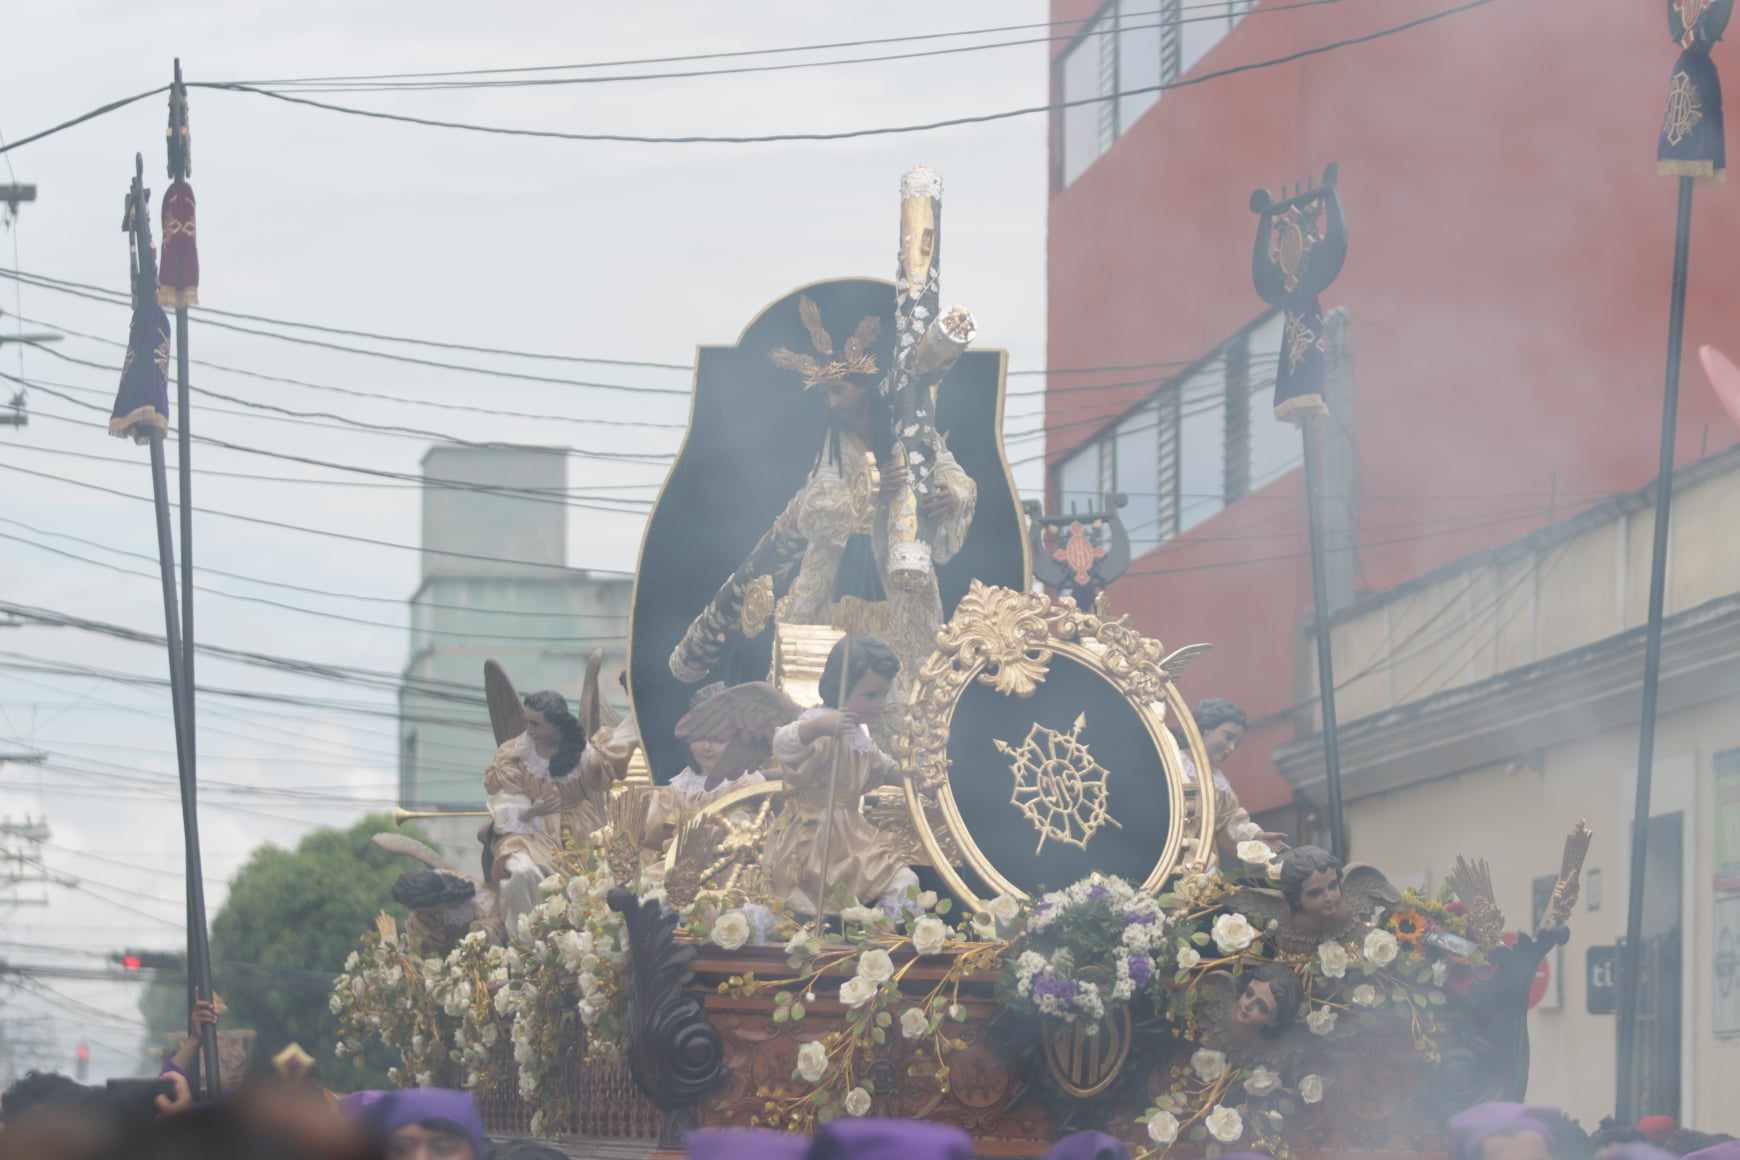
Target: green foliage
[291,918]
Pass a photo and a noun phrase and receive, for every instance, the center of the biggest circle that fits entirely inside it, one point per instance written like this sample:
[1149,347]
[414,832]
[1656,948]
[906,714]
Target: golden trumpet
[401,815]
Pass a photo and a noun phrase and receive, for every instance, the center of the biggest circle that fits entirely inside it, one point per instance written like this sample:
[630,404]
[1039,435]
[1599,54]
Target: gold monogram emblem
[757,606]
[1684,111]
[1059,787]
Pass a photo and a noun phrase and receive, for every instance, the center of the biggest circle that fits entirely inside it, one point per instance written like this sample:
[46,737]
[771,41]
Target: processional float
[1080,948]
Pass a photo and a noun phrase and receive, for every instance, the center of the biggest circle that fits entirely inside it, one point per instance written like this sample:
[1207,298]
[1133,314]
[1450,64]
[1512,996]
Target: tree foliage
[283,933]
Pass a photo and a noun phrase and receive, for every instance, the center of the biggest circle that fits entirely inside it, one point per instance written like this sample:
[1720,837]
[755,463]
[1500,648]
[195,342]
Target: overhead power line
[772,138]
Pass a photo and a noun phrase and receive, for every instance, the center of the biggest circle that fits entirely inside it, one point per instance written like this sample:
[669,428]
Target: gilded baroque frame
[1007,639]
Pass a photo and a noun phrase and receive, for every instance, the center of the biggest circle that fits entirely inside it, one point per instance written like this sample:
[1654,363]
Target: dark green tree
[290,919]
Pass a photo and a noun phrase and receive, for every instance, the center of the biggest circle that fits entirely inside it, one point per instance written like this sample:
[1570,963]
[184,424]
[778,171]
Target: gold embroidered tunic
[862,858]
[839,501]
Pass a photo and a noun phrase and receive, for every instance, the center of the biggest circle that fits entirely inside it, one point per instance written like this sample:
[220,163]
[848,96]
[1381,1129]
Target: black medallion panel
[1060,784]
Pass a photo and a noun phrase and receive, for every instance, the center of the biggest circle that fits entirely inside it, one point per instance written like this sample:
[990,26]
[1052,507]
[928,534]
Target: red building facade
[1506,294]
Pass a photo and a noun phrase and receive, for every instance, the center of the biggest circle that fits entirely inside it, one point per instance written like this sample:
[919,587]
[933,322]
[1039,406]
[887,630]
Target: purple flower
[1136,918]
[1141,970]
[1096,892]
[1063,990]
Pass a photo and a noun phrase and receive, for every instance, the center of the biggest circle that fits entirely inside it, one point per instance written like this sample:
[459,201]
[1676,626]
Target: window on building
[1204,440]
[1088,71]
[1131,45]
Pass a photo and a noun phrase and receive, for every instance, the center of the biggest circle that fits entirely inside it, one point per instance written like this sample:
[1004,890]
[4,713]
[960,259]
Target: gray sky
[637,252]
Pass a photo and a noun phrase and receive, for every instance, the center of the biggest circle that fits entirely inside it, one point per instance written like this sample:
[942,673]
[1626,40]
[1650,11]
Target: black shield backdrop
[1136,789]
[754,433]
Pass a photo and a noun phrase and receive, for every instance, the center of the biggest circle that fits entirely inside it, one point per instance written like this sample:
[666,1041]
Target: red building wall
[1507,283]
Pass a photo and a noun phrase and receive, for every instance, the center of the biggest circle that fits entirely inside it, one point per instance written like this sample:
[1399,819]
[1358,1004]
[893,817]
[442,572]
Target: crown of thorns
[823,366]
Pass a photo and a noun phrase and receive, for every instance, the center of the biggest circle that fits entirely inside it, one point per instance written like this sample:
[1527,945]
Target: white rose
[1366,995]
[350,961]
[1440,972]
[1321,1020]
[857,1102]
[857,991]
[1163,1128]
[1261,1081]
[1246,831]
[984,923]
[1255,853]
[1233,932]
[862,915]
[876,966]
[1311,1089]
[1225,1124]
[913,1023]
[929,934]
[812,1062]
[1209,1065]
[731,930]
[926,899]
[957,1012]
[1188,958]
[1380,948]
[1005,909]
[1333,960]
[335,1004]
[550,885]
[799,943]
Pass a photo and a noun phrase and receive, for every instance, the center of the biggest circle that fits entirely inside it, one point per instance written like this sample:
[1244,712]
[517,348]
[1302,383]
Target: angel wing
[788,359]
[812,316]
[1176,661]
[863,337]
[595,714]
[1261,906]
[507,713]
[745,717]
[411,848]
[1472,883]
[1365,889]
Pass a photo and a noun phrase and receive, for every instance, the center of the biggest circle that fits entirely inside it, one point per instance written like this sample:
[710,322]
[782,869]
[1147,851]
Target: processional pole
[1690,147]
[142,413]
[1300,248]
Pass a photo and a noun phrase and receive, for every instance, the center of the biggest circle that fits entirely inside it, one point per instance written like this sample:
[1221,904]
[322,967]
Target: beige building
[1487,706]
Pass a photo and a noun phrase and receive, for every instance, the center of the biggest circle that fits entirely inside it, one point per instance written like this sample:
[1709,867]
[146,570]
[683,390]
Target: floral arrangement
[1099,920]
[384,994]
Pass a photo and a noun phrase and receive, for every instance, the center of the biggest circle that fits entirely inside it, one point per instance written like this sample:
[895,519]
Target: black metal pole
[1311,432]
[1631,955]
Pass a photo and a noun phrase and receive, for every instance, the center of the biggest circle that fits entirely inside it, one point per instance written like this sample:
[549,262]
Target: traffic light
[135,960]
[82,1056]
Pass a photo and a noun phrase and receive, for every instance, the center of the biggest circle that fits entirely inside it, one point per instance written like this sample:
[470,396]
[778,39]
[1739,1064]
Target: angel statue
[445,905]
[730,734]
[1222,725]
[1249,1017]
[821,844]
[1319,899]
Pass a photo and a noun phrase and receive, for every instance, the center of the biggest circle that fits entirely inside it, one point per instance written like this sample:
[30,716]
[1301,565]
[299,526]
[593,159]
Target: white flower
[1311,1089]
[1225,1124]
[926,899]
[857,991]
[1188,958]
[550,885]
[1005,909]
[862,915]
[537,1123]
[1274,870]
[812,1062]
[1261,1081]
[1366,995]
[731,930]
[1255,853]
[1333,960]
[1321,1020]
[350,961]
[1233,932]
[984,923]
[1163,1128]
[857,1102]
[1440,972]
[913,1023]
[576,889]
[1380,948]
[1209,1065]
[875,965]
[335,1004]
[929,934]
[957,1012]
[425,1079]
[799,943]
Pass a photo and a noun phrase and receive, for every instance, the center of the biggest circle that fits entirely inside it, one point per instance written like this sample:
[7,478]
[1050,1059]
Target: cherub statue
[1318,900]
[821,843]
[445,905]
[1249,1018]
[729,732]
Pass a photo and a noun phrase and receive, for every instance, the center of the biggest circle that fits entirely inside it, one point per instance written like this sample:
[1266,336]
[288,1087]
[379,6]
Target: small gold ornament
[1059,787]
[757,606]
